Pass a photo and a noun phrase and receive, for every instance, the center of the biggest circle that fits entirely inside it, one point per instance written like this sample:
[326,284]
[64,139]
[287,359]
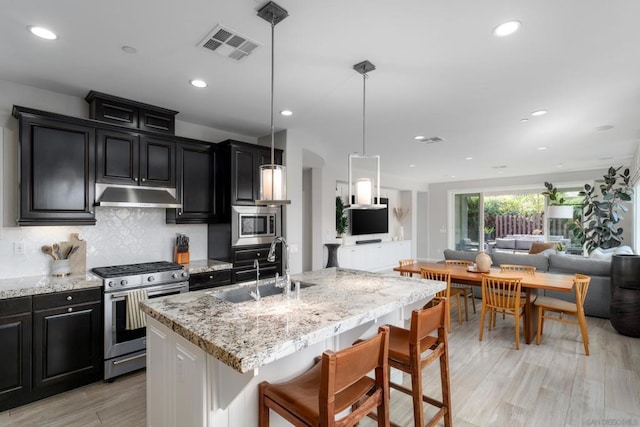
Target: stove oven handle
[153,292]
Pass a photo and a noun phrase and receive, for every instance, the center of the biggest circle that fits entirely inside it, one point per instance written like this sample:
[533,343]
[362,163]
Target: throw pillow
[506,243]
[599,253]
[537,247]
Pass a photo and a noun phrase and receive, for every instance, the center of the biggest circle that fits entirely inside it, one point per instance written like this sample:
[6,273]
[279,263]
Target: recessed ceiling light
[418,137]
[539,113]
[605,127]
[286,112]
[499,167]
[506,29]
[198,83]
[560,165]
[129,49]
[542,148]
[42,32]
[412,166]
[524,120]
[468,158]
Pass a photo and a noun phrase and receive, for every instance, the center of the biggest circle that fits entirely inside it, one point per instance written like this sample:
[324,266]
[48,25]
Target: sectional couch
[598,297]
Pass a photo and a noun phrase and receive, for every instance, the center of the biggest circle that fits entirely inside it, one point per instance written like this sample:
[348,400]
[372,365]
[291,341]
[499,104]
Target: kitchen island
[206,356]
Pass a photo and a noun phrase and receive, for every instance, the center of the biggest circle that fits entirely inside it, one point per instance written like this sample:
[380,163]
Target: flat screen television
[369,221]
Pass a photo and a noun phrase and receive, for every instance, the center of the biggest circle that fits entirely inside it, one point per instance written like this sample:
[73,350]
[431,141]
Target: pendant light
[366,185]
[273,177]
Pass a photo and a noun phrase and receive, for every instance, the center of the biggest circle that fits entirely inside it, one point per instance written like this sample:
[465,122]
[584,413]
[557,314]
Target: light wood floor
[493,384]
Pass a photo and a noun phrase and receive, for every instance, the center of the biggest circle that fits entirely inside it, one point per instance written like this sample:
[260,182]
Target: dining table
[531,284]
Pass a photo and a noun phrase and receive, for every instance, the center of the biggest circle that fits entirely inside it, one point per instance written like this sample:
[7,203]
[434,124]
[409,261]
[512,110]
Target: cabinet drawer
[248,255]
[60,299]
[208,280]
[246,275]
[15,306]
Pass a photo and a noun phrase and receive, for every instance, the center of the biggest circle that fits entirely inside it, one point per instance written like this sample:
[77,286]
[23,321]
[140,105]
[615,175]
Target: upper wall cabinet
[196,184]
[57,170]
[243,177]
[128,158]
[124,112]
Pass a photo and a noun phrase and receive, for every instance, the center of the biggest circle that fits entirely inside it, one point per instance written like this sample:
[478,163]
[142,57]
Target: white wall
[439,221]
[121,236]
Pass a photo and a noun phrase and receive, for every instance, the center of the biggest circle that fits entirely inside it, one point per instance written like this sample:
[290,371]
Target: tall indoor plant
[599,227]
[341,217]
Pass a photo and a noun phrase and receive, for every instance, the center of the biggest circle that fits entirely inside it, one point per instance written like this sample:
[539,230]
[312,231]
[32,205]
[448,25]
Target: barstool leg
[416,394]
[263,410]
[446,385]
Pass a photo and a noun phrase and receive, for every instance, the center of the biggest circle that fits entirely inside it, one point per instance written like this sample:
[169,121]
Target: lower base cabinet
[374,256]
[53,344]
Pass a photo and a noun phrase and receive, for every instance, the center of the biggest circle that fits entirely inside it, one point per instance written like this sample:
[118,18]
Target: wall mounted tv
[369,221]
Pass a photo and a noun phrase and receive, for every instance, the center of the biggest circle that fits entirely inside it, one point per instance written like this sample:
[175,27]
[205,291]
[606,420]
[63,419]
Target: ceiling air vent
[228,43]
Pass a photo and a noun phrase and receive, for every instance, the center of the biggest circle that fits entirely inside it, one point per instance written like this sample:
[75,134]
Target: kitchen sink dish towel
[135,316]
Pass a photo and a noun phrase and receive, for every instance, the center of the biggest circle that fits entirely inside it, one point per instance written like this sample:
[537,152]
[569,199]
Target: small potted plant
[561,248]
[488,231]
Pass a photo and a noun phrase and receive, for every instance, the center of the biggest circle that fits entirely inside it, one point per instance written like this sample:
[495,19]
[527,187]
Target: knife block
[180,257]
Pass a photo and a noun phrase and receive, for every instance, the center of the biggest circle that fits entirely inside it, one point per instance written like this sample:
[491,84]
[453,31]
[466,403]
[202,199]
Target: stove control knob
[123,282]
[151,279]
[174,275]
[184,274]
[111,283]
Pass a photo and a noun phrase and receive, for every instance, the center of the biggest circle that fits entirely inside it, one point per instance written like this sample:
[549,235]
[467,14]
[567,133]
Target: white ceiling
[440,72]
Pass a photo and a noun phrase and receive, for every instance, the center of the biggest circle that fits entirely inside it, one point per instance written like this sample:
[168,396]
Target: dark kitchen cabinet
[196,184]
[243,178]
[15,356]
[67,340]
[125,112]
[128,158]
[210,279]
[57,170]
[243,263]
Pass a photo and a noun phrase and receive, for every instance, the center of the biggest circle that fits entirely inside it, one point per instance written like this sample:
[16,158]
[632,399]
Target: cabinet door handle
[210,277]
[144,179]
[69,310]
[69,298]
[258,254]
[135,179]
[179,211]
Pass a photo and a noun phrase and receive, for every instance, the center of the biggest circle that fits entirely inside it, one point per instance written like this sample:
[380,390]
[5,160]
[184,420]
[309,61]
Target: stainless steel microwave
[254,225]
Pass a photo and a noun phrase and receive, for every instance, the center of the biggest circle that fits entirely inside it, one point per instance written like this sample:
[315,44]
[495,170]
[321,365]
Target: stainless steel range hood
[125,196]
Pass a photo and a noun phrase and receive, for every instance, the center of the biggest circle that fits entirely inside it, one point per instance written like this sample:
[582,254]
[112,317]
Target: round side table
[332,260]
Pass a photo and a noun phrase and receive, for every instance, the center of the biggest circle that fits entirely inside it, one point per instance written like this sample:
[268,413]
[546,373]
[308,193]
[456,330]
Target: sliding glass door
[467,222]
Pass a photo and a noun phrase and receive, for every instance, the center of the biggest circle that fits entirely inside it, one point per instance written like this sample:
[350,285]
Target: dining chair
[337,382]
[468,290]
[548,305]
[502,294]
[412,350]
[404,263]
[529,269]
[448,292]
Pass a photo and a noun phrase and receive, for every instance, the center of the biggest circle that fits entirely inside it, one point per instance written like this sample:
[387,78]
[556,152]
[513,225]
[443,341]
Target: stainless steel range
[125,345]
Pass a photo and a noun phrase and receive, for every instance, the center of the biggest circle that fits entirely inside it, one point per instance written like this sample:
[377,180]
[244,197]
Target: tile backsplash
[121,236]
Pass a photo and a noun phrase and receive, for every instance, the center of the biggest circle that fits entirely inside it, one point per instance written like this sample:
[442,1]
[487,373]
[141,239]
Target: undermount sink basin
[266,289]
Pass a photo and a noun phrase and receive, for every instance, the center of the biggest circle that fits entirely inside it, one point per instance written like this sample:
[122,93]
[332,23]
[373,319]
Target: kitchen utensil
[72,250]
[49,251]
[56,250]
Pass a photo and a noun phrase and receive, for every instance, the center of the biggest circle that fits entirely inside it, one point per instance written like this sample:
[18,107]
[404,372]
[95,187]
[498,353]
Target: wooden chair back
[528,269]
[581,283]
[404,263]
[346,367]
[457,262]
[425,321]
[441,276]
[501,292]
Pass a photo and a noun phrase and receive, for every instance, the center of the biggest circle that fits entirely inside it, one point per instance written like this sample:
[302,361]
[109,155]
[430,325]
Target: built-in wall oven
[254,225]
[124,345]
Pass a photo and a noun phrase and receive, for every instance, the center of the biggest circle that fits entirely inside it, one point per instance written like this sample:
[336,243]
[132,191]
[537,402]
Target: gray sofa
[599,295]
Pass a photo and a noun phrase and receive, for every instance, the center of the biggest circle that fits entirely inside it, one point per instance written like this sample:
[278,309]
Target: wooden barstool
[407,353]
[338,382]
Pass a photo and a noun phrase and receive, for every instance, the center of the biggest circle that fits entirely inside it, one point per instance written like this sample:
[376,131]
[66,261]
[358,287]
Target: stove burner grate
[133,269]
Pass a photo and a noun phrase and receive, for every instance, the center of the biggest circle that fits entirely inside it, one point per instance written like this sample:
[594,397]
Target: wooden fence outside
[514,224]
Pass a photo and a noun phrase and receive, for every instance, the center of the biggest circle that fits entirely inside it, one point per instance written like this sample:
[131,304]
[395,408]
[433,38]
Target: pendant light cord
[273,26]
[364,98]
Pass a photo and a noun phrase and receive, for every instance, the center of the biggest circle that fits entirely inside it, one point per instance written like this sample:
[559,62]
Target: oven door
[119,341]
[254,225]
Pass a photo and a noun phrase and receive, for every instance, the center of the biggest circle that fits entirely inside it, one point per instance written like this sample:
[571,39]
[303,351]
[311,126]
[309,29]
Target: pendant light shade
[364,170]
[273,177]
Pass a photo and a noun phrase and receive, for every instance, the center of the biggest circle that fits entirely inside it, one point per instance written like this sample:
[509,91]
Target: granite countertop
[35,285]
[251,334]
[207,265]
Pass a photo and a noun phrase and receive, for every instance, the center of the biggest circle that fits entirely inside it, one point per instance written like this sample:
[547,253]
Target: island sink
[242,294]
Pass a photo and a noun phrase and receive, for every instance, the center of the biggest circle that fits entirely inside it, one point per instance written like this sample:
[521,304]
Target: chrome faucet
[256,294]
[285,283]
